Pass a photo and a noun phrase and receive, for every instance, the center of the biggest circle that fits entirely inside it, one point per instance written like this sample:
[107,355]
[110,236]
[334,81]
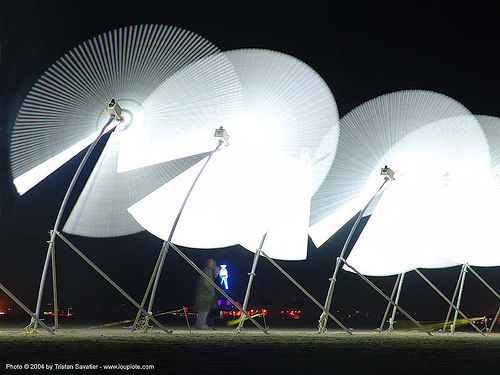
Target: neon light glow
[224,276]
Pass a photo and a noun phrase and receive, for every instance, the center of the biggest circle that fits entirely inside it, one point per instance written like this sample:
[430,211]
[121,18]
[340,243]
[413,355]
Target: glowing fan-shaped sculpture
[280,149]
[368,137]
[64,112]
[477,241]
[423,217]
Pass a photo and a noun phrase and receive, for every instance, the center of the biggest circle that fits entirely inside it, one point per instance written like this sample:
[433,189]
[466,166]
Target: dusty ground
[282,351]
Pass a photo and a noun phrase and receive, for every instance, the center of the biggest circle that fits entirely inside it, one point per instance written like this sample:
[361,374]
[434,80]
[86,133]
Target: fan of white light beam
[478,239]
[280,148]
[425,218]
[63,112]
[101,208]
[367,133]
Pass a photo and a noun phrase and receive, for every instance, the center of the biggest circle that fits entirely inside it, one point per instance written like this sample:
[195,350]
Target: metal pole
[453,298]
[323,319]
[379,291]
[389,304]
[59,218]
[23,306]
[54,288]
[483,281]
[459,299]
[250,280]
[219,289]
[447,300]
[494,321]
[316,302]
[393,316]
[187,320]
[164,250]
[108,279]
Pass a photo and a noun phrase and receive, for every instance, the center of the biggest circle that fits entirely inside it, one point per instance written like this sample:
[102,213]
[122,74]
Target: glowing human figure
[223,276]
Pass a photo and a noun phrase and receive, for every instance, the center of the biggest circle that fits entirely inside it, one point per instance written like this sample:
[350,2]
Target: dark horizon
[361,50]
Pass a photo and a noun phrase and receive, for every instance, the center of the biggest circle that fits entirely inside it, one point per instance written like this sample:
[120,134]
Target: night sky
[361,49]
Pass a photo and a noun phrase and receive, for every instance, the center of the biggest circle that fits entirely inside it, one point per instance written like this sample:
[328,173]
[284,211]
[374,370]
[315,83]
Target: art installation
[64,113]
[256,192]
[431,142]
[210,149]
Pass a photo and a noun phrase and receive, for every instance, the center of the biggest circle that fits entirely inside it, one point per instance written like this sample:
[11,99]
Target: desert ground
[223,351]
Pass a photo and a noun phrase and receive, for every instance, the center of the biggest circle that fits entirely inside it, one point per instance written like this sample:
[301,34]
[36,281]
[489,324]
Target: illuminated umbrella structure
[257,191]
[426,139]
[477,242]
[63,114]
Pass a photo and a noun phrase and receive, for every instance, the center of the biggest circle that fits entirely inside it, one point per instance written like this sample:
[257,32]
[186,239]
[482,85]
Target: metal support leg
[382,323]
[453,298]
[250,280]
[217,287]
[54,288]
[393,316]
[447,300]
[316,302]
[323,319]
[379,291]
[494,321]
[164,250]
[57,223]
[23,306]
[108,279]
[459,299]
[184,308]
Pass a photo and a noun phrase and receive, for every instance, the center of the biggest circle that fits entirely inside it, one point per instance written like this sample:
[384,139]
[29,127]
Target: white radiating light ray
[416,220]
[183,112]
[29,179]
[438,223]
[366,135]
[65,106]
[101,209]
[280,148]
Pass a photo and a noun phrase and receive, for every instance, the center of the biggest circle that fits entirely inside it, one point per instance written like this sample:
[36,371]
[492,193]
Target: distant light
[219,302]
[228,303]
[224,275]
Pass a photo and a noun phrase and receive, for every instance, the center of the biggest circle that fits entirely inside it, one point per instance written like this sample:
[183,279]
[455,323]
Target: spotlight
[114,109]
[387,172]
[221,133]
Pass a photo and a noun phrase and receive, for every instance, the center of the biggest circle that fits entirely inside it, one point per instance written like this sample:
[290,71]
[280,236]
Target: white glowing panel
[491,128]
[183,112]
[280,148]
[288,109]
[30,178]
[423,218]
[249,202]
[367,133]
[64,109]
[101,208]
[479,240]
